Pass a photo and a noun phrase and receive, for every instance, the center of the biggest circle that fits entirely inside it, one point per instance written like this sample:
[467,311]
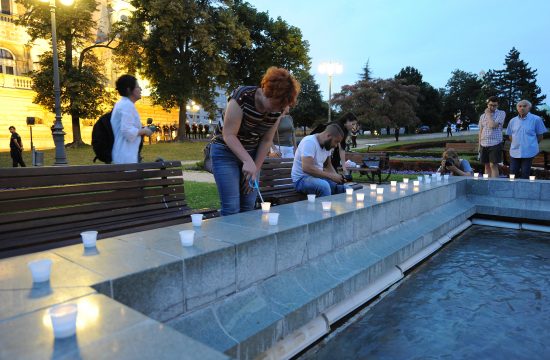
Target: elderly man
[525,132]
[312,170]
[490,136]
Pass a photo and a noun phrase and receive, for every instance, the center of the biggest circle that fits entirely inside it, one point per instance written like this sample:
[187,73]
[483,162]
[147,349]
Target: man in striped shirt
[490,136]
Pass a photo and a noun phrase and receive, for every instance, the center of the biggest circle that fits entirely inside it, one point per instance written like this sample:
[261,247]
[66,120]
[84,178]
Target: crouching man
[312,170]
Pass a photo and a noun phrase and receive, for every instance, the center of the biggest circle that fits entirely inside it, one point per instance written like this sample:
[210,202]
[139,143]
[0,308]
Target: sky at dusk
[434,36]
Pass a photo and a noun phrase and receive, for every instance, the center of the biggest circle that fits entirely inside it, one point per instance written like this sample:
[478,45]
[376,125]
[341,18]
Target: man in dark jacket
[16,148]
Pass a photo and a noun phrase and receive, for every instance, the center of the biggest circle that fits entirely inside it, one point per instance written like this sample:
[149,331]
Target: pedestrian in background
[16,148]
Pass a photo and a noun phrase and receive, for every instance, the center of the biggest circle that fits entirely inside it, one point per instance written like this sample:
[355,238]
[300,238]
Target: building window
[6,6]
[7,62]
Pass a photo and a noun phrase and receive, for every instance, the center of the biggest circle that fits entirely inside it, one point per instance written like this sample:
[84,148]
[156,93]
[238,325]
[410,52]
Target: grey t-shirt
[286,132]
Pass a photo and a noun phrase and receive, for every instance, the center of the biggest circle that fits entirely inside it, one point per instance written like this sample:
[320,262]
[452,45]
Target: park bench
[371,164]
[461,148]
[276,183]
[47,207]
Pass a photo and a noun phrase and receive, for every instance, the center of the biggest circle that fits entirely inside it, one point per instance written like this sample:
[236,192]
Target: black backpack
[103,138]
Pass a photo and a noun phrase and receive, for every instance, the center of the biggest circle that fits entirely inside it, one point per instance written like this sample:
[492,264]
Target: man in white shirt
[490,136]
[312,170]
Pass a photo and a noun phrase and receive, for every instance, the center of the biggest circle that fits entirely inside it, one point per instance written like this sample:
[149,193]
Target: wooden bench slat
[53,180]
[26,193]
[177,199]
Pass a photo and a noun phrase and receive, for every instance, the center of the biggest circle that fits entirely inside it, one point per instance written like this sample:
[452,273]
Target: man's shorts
[491,154]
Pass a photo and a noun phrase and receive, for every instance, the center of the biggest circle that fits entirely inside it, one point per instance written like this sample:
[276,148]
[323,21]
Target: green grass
[201,195]
[85,155]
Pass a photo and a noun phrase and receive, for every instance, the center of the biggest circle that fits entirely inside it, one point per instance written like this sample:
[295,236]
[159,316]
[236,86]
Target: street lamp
[57,131]
[330,68]
[194,108]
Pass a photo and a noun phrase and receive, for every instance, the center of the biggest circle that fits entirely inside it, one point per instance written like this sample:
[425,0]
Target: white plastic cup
[326,205]
[476,175]
[63,319]
[486,176]
[416,183]
[349,191]
[360,196]
[380,191]
[40,270]
[266,206]
[273,218]
[311,198]
[446,177]
[373,187]
[89,238]
[532,178]
[196,219]
[419,178]
[393,183]
[406,180]
[512,176]
[187,237]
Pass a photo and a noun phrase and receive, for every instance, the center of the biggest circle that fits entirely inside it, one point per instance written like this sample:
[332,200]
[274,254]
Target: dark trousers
[353,141]
[17,158]
[449,132]
[521,167]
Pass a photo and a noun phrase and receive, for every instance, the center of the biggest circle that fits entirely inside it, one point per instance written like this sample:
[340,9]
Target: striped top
[254,124]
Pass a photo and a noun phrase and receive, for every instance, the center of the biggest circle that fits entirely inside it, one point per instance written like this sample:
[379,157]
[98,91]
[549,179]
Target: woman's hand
[249,176]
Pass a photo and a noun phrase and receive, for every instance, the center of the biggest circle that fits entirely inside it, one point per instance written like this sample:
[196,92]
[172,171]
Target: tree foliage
[83,91]
[429,105]
[273,42]
[515,82]
[310,107]
[462,94]
[380,103]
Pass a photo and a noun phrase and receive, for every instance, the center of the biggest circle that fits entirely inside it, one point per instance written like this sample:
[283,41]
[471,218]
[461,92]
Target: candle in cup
[446,177]
[326,205]
[349,191]
[360,196]
[406,180]
[380,191]
[416,183]
[512,176]
[273,218]
[40,270]
[311,198]
[373,187]
[532,178]
[63,319]
[89,238]
[485,176]
[476,175]
[266,206]
[393,183]
[187,237]
[196,219]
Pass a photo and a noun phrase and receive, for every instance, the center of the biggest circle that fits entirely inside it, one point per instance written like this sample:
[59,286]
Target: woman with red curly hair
[251,118]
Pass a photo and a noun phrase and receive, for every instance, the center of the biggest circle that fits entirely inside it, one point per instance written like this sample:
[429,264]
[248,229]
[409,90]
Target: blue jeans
[319,187]
[227,169]
[521,167]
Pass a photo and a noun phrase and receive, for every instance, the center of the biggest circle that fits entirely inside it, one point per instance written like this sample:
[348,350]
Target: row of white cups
[63,317]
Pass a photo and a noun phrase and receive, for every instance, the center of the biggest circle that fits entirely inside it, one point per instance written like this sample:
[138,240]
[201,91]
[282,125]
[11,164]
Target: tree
[366,75]
[272,43]
[462,94]
[83,86]
[181,47]
[380,103]
[515,82]
[429,102]
[310,107]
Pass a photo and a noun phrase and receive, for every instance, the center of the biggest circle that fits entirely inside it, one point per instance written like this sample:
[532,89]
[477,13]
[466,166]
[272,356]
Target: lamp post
[57,130]
[330,68]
